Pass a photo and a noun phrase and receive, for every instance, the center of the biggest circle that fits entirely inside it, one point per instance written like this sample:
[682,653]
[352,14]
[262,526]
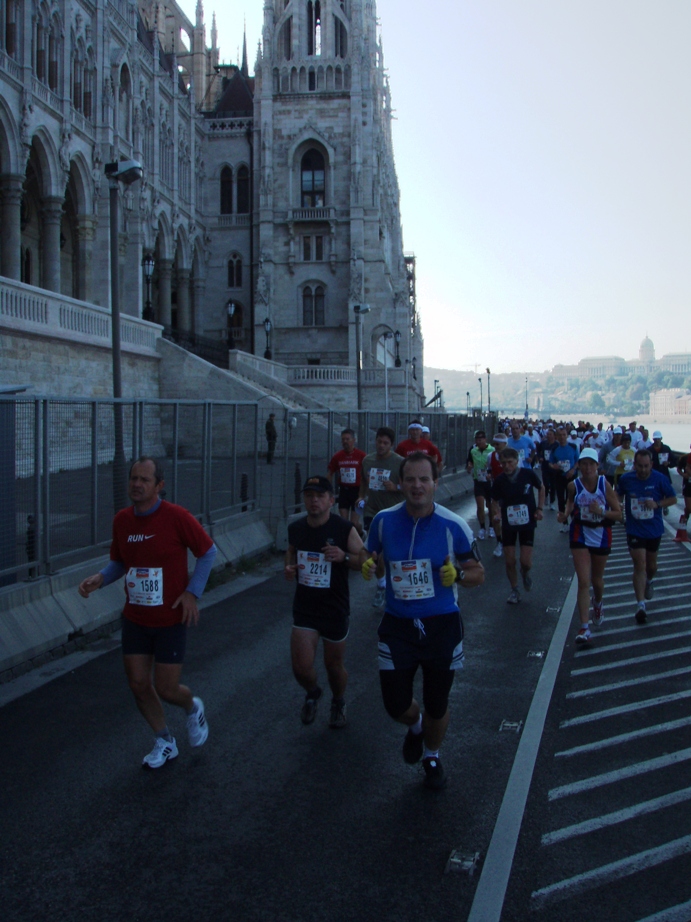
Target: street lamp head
[362,308]
[230,307]
[488,371]
[148,263]
[124,171]
[267,325]
[397,336]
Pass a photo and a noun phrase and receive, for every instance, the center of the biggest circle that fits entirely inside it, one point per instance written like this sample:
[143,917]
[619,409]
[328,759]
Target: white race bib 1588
[145,585]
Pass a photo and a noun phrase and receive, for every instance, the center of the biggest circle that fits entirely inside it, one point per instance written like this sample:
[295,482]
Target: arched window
[340,38]
[235,271]
[124,99]
[243,190]
[53,56]
[89,78]
[313,306]
[226,190]
[314,27]
[285,42]
[11,17]
[312,179]
[41,49]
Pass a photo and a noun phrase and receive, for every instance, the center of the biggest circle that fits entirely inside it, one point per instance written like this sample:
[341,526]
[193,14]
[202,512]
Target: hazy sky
[543,150]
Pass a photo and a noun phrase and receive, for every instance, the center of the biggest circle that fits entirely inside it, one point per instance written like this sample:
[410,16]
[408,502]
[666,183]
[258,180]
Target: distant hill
[549,395]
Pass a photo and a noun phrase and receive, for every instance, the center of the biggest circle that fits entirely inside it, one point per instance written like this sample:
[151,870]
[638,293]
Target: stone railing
[314,374]
[312,214]
[241,361]
[234,220]
[10,66]
[26,309]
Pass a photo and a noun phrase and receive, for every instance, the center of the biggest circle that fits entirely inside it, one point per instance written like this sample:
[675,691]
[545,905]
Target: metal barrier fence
[58,465]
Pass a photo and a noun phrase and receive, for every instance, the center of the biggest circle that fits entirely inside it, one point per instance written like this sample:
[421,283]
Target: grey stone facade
[275,195]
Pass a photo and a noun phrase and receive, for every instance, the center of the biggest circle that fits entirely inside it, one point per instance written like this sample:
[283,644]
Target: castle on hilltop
[267,220]
[614,366]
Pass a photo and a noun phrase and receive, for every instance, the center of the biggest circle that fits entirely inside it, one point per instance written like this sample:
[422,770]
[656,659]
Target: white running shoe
[583,636]
[197,727]
[481,534]
[564,529]
[162,752]
[491,533]
[598,613]
[379,597]
[498,551]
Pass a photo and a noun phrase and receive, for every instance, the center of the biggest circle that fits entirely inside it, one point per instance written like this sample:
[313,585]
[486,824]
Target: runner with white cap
[594,506]
[663,458]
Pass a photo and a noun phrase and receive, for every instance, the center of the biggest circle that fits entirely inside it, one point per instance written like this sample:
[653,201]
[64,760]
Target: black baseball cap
[318,485]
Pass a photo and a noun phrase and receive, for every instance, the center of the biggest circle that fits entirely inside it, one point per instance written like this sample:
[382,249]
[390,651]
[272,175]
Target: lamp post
[387,337]
[359,309]
[397,340]
[414,369]
[480,380]
[230,308]
[148,264]
[125,172]
[488,396]
[407,394]
[526,397]
[267,330]
[467,402]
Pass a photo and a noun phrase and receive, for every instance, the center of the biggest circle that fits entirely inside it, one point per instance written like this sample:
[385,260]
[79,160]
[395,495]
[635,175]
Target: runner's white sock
[430,753]
[381,583]
[417,727]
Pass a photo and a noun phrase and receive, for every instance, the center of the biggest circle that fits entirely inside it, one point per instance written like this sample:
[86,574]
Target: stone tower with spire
[327,229]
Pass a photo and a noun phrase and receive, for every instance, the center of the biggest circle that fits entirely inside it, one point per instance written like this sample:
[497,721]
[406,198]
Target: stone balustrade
[26,309]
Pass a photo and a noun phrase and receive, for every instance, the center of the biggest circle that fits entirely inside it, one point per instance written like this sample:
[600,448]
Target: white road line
[634,661]
[619,774]
[640,680]
[679,913]
[496,868]
[655,611]
[625,737]
[618,816]
[624,709]
[644,641]
[581,883]
[631,602]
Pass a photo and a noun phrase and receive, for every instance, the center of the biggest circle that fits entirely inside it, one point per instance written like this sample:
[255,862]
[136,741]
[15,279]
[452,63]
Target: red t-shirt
[153,548]
[349,467]
[409,447]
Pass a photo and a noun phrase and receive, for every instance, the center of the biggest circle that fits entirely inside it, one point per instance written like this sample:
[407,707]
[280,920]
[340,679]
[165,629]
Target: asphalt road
[275,821]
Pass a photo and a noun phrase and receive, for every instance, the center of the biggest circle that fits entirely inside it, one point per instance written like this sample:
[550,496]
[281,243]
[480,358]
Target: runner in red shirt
[347,463]
[415,442]
[150,543]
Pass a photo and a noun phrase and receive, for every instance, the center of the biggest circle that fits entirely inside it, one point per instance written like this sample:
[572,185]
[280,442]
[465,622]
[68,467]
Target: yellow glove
[448,573]
[368,567]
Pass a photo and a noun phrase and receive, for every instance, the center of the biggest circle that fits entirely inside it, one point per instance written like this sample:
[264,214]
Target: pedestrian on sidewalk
[150,543]
[271,438]
[321,549]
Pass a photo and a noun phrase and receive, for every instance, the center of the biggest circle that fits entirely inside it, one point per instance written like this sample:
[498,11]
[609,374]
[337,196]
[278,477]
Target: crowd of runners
[419,553]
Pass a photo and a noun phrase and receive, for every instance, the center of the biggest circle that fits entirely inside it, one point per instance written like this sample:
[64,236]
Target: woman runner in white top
[594,506]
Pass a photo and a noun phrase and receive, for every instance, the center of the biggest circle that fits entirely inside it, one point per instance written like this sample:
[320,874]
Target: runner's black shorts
[650,545]
[482,488]
[348,497]
[166,644]
[434,643]
[686,489]
[526,536]
[329,627]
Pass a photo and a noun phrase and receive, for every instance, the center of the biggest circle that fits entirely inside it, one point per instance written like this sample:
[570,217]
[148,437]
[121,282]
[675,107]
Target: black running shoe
[435,776]
[309,708]
[412,747]
[641,616]
[338,714]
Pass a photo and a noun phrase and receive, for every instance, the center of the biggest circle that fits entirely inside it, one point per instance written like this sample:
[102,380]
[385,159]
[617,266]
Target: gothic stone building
[269,204]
